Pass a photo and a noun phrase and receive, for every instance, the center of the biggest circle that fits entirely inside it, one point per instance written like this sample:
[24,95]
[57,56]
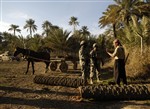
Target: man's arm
[114,53]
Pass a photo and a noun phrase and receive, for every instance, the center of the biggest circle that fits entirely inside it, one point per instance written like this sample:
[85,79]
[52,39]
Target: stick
[126,58]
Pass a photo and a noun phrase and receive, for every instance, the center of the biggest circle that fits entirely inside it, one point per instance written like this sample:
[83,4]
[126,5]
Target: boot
[85,82]
[98,80]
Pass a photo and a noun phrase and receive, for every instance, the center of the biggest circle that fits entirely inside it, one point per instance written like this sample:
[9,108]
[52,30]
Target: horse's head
[17,51]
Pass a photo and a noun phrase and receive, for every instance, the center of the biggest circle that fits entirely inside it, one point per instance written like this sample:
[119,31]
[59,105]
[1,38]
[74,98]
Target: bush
[138,65]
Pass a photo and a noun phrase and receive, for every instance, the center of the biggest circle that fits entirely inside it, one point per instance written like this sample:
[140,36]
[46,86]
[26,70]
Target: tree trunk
[141,45]
[30,32]
[138,30]
[59,81]
[114,30]
[14,32]
[115,92]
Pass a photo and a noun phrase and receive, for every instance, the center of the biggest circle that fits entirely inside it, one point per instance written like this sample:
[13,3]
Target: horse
[33,56]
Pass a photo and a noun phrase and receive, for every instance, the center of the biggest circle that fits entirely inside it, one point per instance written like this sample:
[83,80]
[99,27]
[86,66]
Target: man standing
[84,61]
[119,65]
[95,61]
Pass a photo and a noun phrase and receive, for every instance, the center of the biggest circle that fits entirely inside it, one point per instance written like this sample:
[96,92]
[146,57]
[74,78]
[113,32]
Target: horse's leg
[33,67]
[27,67]
[47,65]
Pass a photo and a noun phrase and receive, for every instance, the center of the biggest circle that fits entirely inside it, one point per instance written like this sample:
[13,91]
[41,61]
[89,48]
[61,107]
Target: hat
[82,42]
[94,45]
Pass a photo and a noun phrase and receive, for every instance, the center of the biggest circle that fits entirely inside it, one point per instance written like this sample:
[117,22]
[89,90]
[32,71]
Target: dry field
[18,91]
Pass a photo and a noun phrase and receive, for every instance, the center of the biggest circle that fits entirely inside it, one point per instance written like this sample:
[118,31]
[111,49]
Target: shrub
[138,65]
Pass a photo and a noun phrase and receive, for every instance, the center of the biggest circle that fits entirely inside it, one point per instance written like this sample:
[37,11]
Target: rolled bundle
[58,81]
[115,92]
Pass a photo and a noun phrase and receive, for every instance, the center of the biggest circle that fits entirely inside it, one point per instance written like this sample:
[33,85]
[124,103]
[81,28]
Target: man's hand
[106,50]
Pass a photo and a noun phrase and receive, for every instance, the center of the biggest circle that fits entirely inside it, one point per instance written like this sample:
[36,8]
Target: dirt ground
[18,91]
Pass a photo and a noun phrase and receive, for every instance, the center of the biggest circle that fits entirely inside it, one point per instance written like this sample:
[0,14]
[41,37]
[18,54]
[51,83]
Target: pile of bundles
[115,92]
[98,92]
[58,81]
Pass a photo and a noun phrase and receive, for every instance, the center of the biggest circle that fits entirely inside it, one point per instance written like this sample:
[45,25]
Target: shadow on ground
[63,104]
[42,91]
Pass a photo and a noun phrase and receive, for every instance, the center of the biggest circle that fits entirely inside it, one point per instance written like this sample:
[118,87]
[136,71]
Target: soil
[18,91]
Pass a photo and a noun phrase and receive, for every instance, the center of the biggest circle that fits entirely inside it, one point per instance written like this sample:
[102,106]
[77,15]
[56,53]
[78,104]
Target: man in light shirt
[119,65]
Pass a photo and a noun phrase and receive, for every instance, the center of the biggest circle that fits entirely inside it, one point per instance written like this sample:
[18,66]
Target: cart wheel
[53,66]
[63,67]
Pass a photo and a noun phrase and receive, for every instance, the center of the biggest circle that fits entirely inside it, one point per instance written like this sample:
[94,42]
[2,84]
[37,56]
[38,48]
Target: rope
[27,54]
[126,58]
[38,59]
[62,59]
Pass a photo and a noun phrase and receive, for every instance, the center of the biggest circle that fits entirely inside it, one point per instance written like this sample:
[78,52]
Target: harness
[27,55]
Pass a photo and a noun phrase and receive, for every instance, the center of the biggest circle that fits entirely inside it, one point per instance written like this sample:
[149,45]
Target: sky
[58,12]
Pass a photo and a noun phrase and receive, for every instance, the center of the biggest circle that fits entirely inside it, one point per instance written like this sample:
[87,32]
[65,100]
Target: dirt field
[17,91]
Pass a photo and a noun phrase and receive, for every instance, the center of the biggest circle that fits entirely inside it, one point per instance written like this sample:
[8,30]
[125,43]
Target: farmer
[95,61]
[119,65]
[84,61]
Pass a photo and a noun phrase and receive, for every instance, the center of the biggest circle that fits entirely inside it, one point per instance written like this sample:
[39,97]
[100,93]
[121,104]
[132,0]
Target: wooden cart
[61,63]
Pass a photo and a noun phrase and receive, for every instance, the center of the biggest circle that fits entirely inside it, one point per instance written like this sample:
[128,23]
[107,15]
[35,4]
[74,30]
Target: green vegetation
[127,20]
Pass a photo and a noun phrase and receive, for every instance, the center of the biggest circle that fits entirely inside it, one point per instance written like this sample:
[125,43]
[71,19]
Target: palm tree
[110,18]
[46,27]
[14,28]
[35,42]
[1,37]
[73,21]
[84,32]
[148,1]
[54,27]
[141,21]
[9,41]
[30,26]
[22,41]
[58,40]
[119,14]
[125,12]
